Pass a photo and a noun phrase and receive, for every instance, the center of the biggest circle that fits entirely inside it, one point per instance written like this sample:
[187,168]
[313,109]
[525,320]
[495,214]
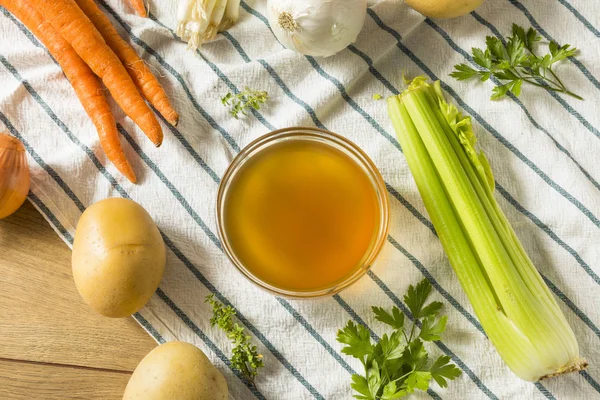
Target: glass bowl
[324,137]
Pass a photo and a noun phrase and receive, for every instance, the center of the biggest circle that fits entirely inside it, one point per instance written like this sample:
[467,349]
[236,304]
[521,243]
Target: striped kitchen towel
[543,148]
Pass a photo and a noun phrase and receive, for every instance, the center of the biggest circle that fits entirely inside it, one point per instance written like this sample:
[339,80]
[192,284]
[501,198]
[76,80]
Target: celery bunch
[512,302]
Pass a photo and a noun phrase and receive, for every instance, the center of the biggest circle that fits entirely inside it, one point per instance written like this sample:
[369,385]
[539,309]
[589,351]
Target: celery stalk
[515,307]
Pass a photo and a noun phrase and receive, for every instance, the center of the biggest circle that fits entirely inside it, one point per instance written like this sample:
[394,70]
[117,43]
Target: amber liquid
[301,215]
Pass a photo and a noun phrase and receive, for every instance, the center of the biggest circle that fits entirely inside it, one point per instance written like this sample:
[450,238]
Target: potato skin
[176,370]
[118,257]
[443,9]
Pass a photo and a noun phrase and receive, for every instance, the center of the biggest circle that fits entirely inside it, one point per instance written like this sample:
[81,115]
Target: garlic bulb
[14,175]
[317,28]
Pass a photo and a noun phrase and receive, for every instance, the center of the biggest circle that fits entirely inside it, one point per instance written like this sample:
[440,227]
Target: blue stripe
[370,65]
[369,62]
[217,243]
[484,123]
[175,74]
[586,320]
[219,73]
[441,345]
[213,238]
[528,214]
[411,208]
[552,235]
[318,123]
[22,28]
[316,335]
[556,97]
[545,34]
[466,55]
[236,148]
[186,145]
[590,380]
[373,70]
[288,92]
[560,294]
[245,56]
[122,192]
[435,284]
[242,318]
[149,328]
[544,391]
[159,292]
[373,335]
[355,316]
[275,77]
[352,103]
[191,325]
[201,277]
[65,233]
[580,17]
[289,308]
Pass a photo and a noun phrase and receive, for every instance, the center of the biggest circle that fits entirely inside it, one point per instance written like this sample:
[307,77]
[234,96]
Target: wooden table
[52,346]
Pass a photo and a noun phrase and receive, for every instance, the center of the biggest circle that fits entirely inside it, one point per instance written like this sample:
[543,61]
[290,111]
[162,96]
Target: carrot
[86,85]
[139,7]
[76,28]
[141,75]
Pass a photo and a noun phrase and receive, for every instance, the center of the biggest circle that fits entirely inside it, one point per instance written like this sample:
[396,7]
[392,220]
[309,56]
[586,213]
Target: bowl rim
[358,155]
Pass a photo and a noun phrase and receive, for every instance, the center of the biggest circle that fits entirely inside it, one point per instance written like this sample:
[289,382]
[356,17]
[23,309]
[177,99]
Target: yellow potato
[176,371]
[118,257]
[444,8]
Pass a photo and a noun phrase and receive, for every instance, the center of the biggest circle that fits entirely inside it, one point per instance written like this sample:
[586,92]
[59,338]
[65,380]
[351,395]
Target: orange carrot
[76,28]
[143,78]
[139,7]
[86,85]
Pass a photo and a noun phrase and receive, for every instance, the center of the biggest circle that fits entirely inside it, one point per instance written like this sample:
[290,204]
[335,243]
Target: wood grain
[27,381]
[44,321]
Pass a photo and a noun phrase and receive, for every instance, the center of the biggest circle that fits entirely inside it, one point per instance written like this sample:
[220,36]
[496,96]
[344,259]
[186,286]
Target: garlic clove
[14,175]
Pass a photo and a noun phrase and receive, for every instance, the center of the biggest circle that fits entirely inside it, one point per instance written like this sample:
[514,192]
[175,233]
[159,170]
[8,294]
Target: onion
[14,175]
[317,28]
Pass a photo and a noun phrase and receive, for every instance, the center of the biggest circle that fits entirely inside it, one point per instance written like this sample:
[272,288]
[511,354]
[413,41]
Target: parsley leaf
[415,300]
[463,72]
[441,370]
[395,319]
[397,365]
[391,347]
[360,385]
[390,392]
[432,328]
[357,339]
[418,380]
[513,61]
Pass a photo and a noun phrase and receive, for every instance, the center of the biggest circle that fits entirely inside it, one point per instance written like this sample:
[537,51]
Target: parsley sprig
[240,102]
[515,61]
[398,364]
[245,357]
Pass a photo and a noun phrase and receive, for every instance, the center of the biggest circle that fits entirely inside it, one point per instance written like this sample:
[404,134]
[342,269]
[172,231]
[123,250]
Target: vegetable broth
[301,215]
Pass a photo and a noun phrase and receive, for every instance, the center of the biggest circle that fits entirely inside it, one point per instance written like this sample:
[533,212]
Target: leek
[515,307]
[199,21]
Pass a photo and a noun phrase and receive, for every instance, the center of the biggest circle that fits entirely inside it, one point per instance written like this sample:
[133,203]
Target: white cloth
[543,150]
